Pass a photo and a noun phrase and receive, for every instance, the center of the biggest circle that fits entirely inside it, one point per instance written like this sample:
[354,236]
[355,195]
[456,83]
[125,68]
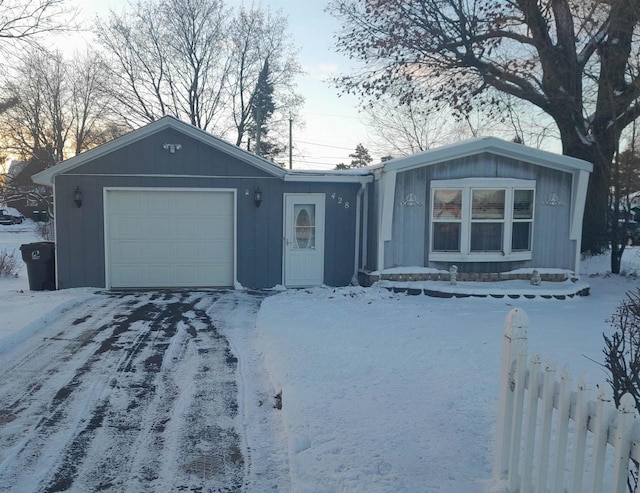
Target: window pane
[447,204]
[523,204]
[521,237]
[305,231]
[488,204]
[486,237]
[446,237]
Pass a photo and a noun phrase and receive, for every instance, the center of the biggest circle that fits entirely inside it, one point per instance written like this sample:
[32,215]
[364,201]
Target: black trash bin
[41,265]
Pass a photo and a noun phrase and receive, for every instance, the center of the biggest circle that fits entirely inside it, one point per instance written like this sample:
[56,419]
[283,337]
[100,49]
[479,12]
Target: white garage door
[169,238]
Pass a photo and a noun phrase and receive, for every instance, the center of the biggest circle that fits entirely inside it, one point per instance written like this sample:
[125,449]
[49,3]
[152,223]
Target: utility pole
[258,130]
[290,142]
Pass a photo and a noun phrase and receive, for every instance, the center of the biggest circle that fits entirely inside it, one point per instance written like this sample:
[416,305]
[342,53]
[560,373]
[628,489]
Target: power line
[330,115]
[326,145]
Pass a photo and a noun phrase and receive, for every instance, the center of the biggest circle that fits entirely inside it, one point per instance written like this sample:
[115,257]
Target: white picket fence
[551,438]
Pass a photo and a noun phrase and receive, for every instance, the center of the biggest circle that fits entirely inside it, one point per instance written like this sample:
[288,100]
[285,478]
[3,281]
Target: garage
[163,237]
[169,205]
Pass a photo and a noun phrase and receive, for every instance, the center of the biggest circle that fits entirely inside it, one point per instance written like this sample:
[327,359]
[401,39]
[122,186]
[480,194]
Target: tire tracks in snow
[130,392]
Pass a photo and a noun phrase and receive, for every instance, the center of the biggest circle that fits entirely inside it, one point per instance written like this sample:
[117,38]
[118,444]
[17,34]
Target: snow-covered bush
[622,360]
[622,349]
[8,263]
[44,230]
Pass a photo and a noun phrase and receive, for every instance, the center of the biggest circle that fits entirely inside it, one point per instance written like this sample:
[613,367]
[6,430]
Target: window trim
[467,185]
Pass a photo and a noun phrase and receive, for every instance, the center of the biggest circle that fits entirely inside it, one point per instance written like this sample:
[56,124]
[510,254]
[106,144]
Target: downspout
[365,230]
[356,256]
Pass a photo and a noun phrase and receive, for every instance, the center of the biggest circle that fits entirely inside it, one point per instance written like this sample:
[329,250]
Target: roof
[46,177]
[491,145]
[355,175]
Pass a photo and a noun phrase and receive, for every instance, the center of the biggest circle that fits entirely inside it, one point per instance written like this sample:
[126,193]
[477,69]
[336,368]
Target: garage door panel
[130,251]
[159,275]
[159,203]
[125,277]
[170,238]
[157,228]
[190,227]
[127,227]
[157,252]
[219,251]
[127,203]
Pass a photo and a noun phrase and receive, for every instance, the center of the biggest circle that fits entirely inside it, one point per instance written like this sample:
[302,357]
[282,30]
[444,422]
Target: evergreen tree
[262,108]
[359,158]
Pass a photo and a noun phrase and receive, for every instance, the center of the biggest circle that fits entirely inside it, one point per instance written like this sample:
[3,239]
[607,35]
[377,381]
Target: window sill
[479,257]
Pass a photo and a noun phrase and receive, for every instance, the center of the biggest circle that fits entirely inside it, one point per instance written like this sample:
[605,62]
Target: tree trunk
[594,226]
[617,249]
[599,150]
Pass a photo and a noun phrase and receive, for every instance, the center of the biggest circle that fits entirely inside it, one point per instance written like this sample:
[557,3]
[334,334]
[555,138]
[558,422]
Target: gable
[144,151]
[489,146]
[149,156]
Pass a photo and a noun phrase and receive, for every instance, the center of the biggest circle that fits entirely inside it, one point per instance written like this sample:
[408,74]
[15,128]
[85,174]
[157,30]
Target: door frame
[320,200]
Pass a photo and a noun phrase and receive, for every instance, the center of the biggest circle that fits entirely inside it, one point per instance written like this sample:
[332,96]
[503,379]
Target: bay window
[481,219]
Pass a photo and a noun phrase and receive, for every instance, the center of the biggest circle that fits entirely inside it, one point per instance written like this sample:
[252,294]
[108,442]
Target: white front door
[304,239]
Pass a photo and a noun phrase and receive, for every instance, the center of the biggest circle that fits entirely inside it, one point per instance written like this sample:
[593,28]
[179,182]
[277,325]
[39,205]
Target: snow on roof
[491,145]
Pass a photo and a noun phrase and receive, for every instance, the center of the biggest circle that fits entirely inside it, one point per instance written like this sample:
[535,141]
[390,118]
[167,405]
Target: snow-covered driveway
[126,392]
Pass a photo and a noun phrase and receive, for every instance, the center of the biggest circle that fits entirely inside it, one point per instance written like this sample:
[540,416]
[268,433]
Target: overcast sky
[332,124]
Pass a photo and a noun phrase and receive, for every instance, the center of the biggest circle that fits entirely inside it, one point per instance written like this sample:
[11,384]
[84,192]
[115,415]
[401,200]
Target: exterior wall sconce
[172,148]
[257,197]
[77,197]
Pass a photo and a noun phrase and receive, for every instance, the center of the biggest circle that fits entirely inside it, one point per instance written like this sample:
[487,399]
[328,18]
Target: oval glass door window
[305,227]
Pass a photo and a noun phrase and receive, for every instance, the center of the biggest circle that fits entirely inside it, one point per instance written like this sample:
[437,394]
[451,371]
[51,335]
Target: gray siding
[410,241]
[409,224]
[80,231]
[148,157]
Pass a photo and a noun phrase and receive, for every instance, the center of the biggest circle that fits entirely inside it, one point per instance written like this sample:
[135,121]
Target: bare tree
[169,58]
[94,122]
[258,38]
[60,105]
[59,109]
[402,130]
[27,19]
[38,122]
[576,60]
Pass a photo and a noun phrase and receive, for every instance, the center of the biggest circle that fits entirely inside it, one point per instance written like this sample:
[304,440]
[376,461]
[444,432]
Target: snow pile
[25,312]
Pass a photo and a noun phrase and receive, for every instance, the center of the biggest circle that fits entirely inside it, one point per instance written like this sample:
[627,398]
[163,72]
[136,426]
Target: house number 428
[340,201]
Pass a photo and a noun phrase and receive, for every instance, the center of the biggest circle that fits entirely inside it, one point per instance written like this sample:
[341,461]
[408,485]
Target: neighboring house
[20,191]
[630,206]
[169,205]
[484,205]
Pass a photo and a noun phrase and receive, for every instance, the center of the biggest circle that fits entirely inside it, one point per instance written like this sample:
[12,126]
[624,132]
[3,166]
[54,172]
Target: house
[21,193]
[487,206]
[169,205]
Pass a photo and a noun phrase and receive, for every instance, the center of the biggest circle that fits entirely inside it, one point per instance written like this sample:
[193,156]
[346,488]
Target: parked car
[9,215]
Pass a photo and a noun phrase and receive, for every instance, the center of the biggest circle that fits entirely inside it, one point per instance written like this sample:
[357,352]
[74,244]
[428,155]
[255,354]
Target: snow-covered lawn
[380,392]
